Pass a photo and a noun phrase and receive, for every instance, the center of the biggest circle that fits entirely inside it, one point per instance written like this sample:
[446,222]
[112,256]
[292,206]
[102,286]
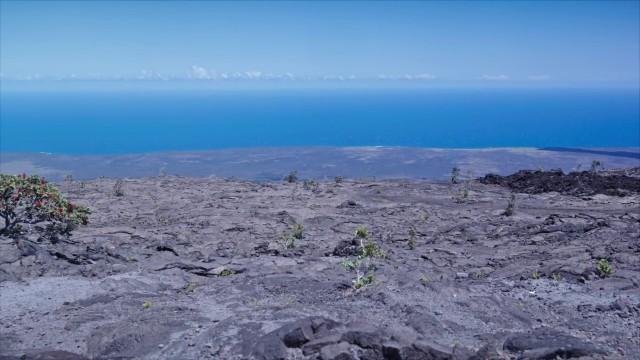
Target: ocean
[135,121]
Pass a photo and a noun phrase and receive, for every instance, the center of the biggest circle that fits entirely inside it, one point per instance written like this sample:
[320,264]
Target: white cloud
[198,72]
[425,77]
[146,74]
[500,77]
[421,76]
[541,77]
[333,77]
[253,75]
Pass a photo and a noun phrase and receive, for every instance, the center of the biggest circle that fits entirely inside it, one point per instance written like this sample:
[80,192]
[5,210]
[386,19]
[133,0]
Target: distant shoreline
[599,151]
[268,164]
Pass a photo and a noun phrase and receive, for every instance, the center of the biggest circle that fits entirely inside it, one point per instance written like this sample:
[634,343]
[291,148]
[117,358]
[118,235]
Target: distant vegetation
[311,185]
[556,277]
[511,205]
[29,200]
[596,165]
[412,238]
[292,177]
[118,188]
[455,174]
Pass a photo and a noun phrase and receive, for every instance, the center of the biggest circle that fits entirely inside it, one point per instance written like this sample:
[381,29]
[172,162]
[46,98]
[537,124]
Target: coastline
[270,164]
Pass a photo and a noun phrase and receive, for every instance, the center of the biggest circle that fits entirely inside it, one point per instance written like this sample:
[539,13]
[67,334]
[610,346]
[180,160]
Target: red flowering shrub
[31,199]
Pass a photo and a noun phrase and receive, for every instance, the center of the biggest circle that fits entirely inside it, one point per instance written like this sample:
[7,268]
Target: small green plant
[372,250]
[604,268]
[227,272]
[362,232]
[118,188]
[535,275]
[362,265]
[147,305]
[189,288]
[424,280]
[350,264]
[338,179]
[412,238]
[297,231]
[292,177]
[455,174]
[288,241]
[511,205]
[363,281]
[310,185]
[31,199]
[556,277]
[363,271]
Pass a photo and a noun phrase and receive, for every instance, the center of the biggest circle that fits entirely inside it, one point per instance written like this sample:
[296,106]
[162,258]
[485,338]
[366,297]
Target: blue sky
[527,43]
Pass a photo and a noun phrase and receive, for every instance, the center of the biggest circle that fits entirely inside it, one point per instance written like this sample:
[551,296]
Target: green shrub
[372,250]
[362,232]
[363,281]
[350,264]
[292,177]
[31,199]
[362,264]
[412,238]
[298,231]
[310,185]
[604,268]
[288,241]
[227,272]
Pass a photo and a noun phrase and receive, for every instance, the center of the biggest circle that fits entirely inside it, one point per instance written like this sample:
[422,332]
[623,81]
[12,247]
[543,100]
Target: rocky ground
[197,268]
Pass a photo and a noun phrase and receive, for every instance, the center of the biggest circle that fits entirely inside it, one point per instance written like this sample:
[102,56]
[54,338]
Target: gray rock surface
[194,268]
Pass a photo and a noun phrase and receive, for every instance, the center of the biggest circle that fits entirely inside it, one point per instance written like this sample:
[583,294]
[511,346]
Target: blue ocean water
[94,122]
